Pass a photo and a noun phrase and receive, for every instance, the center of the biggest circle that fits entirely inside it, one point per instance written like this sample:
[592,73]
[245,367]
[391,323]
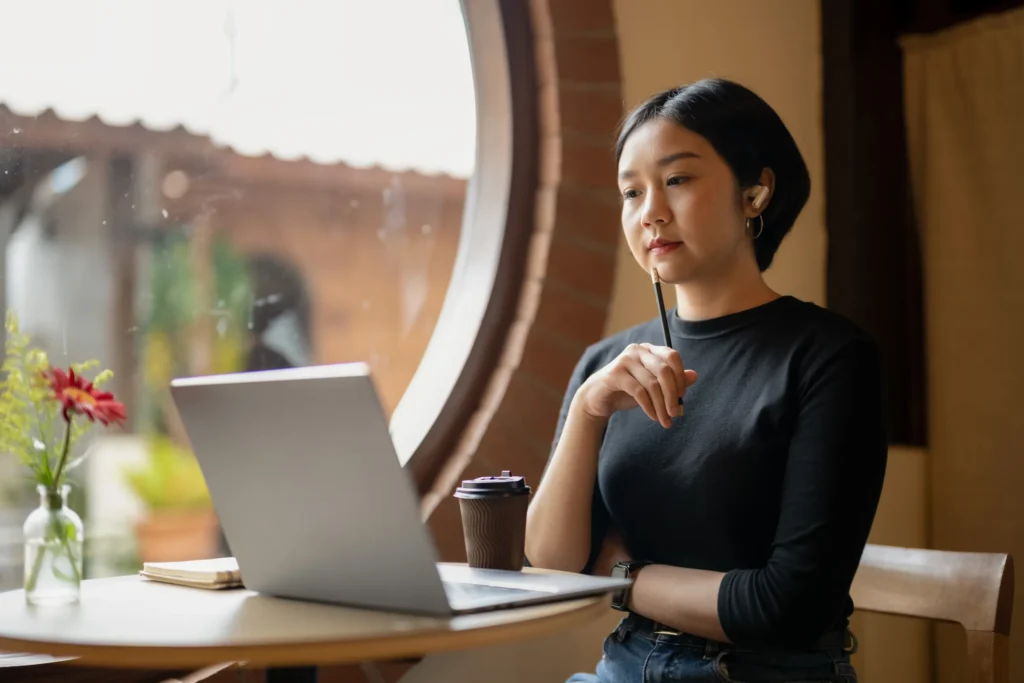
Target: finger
[656,364]
[671,365]
[650,382]
[691,376]
[629,384]
[672,358]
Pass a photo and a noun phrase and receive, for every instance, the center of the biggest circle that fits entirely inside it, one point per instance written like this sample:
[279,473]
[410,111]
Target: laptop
[315,505]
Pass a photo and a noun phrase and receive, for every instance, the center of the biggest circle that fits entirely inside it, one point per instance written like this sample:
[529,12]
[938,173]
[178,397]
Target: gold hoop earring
[760,228]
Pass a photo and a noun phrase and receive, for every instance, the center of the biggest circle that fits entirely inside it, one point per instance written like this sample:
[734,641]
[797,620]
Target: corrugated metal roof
[385,83]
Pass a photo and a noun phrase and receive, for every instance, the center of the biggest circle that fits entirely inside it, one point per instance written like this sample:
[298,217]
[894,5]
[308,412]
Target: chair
[974,590]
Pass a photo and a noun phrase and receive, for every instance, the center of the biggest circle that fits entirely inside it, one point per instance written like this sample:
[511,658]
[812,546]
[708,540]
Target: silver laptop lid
[308,488]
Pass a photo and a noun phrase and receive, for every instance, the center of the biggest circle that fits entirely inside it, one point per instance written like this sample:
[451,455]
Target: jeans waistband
[843,640]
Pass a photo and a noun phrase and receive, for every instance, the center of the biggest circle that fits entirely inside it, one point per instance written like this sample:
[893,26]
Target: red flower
[77,395]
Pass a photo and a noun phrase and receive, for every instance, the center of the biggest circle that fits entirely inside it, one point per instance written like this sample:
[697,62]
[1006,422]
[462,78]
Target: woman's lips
[660,247]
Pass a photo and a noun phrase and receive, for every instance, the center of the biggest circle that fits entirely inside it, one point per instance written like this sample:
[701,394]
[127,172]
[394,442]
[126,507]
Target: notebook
[219,572]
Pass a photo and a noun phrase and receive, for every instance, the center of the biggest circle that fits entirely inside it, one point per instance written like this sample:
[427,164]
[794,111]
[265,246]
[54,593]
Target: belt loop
[711,649]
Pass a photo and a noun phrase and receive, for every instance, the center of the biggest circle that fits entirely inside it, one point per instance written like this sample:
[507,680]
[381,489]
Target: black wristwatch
[625,570]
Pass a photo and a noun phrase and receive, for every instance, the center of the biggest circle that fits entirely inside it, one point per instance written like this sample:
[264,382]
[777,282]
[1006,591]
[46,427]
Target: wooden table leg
[294,674]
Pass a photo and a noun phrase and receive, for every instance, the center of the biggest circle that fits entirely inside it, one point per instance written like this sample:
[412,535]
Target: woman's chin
[671,271]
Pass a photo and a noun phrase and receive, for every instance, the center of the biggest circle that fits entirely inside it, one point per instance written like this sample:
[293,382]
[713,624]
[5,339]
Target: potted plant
[39,405]
[180,524]
[195,321]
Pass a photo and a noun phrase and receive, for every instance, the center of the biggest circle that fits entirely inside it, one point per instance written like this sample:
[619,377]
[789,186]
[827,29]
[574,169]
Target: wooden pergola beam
[198,154]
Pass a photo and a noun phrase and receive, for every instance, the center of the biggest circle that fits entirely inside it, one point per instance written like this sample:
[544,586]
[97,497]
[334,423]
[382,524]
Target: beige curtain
[964,91]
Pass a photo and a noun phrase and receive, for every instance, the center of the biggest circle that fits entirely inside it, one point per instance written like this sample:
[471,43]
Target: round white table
[133,622]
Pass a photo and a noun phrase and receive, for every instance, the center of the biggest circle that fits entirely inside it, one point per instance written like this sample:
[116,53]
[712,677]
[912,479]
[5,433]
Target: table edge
[328,652]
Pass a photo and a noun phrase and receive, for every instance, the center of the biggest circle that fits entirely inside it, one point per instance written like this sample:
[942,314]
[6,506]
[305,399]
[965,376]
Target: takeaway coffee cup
[494,520]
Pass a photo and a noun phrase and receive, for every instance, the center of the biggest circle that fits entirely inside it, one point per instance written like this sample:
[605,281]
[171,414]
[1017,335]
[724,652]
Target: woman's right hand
[644,375]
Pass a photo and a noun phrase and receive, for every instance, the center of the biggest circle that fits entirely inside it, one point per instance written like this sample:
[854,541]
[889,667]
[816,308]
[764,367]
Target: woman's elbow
[544,552]
[543,558]
[785,618]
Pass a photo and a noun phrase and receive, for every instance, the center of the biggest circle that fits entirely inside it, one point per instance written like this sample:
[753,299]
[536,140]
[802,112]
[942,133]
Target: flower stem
[63,455]
[72,560]
[57,532]
[37,565]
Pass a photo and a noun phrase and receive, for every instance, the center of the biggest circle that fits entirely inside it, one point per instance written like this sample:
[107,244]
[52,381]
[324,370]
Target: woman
[741,520]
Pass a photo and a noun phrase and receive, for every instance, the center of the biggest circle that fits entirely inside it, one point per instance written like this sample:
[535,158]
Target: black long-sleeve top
[772,476]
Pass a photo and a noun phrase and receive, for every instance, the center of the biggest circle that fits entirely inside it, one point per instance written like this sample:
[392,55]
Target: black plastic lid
[504,485]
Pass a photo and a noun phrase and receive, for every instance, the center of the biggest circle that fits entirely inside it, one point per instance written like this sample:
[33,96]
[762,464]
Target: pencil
[656,279]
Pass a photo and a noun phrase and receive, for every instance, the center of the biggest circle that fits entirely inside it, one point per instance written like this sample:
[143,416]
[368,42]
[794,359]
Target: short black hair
[748,134]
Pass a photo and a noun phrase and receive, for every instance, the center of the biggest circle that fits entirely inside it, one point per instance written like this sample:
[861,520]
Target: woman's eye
[630,194]
[678,179]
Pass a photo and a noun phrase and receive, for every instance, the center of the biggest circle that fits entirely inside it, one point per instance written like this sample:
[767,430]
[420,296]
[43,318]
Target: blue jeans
[636,653]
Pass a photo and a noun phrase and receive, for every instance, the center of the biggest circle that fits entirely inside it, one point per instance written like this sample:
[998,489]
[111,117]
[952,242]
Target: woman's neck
[736,291]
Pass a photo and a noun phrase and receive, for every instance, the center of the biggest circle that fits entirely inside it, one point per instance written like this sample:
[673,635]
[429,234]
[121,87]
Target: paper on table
[219,572]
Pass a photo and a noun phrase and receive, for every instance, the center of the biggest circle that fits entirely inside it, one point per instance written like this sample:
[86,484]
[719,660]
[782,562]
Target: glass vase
[53,550]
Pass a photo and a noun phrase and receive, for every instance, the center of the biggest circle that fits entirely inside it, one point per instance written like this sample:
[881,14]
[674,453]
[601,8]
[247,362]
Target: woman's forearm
[558,521]
[680,598]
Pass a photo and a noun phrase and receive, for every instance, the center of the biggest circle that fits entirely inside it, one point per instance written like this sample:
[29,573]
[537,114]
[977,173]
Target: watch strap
[620,598]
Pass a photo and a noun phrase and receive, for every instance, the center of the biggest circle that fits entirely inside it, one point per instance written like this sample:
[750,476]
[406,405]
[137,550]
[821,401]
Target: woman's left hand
[613,551]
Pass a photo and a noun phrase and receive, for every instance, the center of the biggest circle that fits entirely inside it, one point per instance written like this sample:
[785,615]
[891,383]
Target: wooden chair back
[974,590]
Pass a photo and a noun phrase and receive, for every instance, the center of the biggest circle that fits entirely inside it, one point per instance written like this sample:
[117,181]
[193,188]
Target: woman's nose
[655,209]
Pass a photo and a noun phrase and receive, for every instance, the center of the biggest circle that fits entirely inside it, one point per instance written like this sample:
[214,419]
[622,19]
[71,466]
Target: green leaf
[29,412]
[170,477]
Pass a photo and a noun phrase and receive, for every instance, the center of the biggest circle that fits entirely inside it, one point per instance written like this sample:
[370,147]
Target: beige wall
[664,43]
[895,649]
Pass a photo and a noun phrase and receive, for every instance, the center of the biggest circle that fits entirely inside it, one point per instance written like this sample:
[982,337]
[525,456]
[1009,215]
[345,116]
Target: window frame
[480,303]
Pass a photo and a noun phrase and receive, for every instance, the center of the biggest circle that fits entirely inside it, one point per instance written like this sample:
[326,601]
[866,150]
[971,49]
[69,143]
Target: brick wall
[564,298]
[376,255]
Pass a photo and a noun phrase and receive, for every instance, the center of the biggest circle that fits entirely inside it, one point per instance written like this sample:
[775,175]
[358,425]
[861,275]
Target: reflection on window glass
[209,186]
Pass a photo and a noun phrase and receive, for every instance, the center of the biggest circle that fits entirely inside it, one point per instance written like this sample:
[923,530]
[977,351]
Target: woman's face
[681,207]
